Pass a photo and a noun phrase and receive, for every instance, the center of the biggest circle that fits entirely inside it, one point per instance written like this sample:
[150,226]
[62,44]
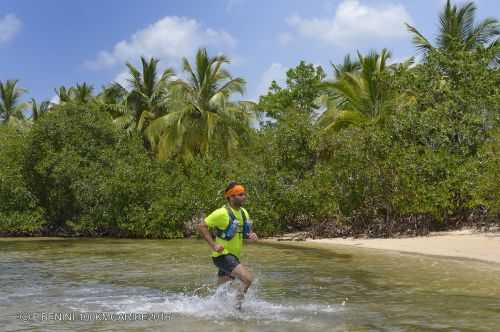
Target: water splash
[212,303]
[221,305]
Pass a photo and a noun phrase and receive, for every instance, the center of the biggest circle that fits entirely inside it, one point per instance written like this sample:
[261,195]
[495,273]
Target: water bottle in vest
[230,230]
[247,228]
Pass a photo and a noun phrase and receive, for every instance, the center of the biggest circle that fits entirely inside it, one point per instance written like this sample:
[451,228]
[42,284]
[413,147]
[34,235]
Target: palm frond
[10,105]
[346,119]
[422,44]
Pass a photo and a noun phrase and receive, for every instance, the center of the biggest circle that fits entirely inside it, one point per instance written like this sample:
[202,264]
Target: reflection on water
[296,288]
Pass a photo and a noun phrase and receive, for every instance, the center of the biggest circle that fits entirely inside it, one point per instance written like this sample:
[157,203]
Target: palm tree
[348,66]
[456,25]
[114,94]
[204,112]
[82,93]
[147,100]
[64,94]
[79,94]
[328,100]
[38,110]
[358,94]
[11,107]
[113,99]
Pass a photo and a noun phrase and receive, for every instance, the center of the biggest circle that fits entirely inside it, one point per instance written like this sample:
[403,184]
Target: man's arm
[205,233]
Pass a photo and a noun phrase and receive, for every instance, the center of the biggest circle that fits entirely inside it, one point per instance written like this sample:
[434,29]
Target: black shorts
[226,264]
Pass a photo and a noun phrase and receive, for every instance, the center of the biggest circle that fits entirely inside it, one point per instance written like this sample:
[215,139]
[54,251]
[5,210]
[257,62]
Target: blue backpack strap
[244,215]
[232,217]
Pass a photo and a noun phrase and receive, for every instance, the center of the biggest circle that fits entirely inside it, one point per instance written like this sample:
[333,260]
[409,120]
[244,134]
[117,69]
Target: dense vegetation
[370,147]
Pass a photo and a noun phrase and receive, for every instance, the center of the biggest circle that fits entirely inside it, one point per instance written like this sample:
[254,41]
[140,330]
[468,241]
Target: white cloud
[168,39]
[276,72]
[9,27]
[354,21]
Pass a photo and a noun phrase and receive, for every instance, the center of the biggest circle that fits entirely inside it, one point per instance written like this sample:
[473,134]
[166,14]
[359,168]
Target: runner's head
[235,194]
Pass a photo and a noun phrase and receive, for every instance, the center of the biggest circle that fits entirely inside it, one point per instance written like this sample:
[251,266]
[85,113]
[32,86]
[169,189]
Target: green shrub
[19,209]
[93,179]
[486,183]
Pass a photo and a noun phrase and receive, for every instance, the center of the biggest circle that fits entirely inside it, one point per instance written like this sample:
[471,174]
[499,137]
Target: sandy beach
[462,244]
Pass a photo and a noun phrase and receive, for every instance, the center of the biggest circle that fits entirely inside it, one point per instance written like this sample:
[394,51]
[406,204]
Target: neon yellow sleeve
[218,219]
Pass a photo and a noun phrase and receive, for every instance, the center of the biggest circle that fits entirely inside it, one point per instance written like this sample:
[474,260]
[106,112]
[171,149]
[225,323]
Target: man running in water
[231,224]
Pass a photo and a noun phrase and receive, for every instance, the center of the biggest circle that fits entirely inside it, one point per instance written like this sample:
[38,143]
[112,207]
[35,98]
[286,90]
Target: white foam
[219,304]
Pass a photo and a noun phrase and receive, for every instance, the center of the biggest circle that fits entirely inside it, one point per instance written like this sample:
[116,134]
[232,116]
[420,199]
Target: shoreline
[466,243]
[469,244]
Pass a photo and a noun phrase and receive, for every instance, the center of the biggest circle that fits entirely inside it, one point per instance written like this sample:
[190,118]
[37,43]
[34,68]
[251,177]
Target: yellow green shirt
[220,219]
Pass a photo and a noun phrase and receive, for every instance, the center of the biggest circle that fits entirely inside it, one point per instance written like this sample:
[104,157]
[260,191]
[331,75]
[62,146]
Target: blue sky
[50,43]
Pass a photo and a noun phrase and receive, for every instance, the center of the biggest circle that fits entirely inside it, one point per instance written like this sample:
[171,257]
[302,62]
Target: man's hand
[203,229]
[217,247]
[253,237]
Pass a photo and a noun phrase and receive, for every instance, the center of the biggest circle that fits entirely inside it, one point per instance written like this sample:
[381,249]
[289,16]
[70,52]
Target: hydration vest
[232,228]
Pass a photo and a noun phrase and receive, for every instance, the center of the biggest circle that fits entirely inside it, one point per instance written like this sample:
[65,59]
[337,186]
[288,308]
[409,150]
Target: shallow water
[296,288]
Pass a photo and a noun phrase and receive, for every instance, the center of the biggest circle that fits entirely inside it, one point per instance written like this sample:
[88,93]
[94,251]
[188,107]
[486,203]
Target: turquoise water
[296,288]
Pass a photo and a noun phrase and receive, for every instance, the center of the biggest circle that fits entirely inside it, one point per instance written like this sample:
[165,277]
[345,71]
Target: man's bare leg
[246,277]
